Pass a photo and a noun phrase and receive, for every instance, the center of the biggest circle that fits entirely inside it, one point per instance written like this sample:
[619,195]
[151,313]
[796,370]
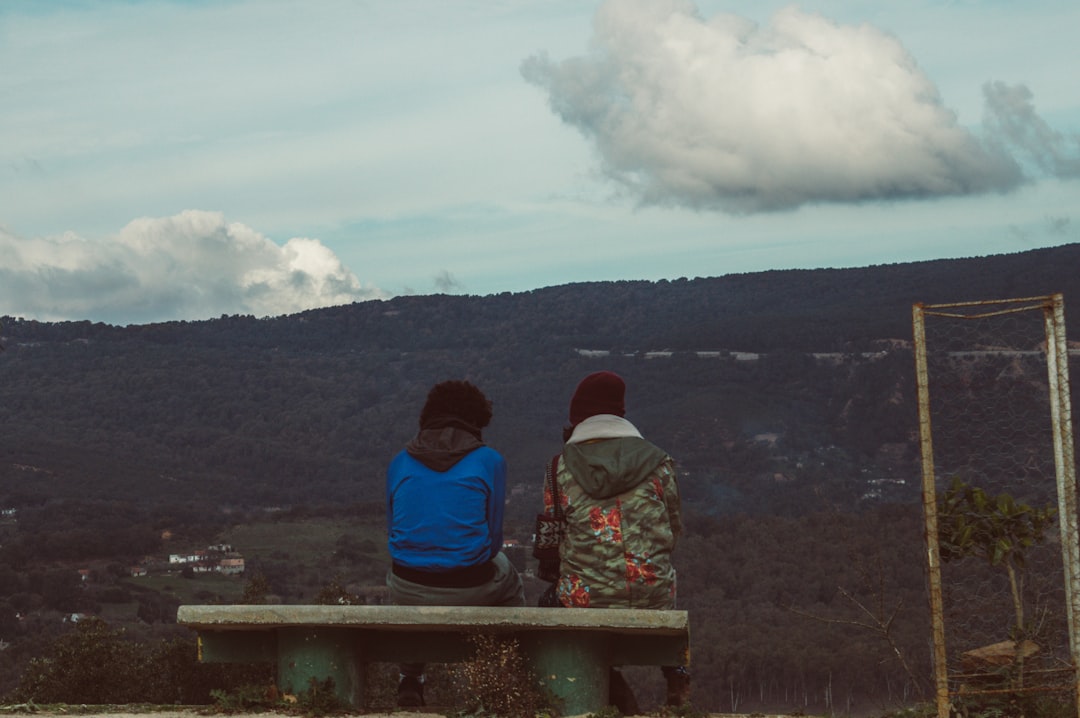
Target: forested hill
[308,408]
[787,399]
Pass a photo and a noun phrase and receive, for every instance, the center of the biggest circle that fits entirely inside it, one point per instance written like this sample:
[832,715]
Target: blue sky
[183,160]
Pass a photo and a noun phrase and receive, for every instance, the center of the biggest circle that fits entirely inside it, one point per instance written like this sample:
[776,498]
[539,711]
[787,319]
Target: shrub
[498,683]
[95,664]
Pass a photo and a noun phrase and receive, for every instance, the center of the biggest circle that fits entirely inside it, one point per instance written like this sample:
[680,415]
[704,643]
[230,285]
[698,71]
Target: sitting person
[620,501]
[445,494]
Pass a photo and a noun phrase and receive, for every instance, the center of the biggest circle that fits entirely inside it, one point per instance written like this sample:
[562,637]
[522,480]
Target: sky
[165,159]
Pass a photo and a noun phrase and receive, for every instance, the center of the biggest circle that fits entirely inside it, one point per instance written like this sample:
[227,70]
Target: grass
[305,555]
[186,589]
[304,542]
[300,557]
[66,709]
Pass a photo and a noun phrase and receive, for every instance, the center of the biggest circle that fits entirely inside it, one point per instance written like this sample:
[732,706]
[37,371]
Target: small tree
[256,590]
[335,594]
[998,529]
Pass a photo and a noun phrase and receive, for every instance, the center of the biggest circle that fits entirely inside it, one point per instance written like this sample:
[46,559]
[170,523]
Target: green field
[305,541]
[194,589]
[300,557]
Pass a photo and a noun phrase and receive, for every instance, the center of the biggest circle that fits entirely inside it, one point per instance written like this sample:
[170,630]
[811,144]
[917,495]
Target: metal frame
[1057,359]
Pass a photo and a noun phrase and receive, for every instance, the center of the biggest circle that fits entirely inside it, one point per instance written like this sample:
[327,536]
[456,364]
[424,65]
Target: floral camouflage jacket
[621,502]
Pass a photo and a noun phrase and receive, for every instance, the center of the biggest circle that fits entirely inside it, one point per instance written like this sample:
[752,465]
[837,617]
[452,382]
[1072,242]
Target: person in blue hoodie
[445,494]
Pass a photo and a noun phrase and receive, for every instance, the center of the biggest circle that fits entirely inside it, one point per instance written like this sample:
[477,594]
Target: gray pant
[505,589]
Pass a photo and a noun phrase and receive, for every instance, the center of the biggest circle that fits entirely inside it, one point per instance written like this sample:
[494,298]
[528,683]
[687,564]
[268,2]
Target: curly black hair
[456,400]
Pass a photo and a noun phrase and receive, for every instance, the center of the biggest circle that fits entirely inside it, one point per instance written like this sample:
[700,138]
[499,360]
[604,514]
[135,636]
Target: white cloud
[1011,118]
[726,114]
[191,265]
[445,282]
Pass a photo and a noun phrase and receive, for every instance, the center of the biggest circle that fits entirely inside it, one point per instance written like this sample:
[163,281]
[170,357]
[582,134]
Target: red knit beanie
[601,392]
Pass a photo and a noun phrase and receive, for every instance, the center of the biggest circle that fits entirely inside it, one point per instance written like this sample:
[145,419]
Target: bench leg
[306,654]
[573,666]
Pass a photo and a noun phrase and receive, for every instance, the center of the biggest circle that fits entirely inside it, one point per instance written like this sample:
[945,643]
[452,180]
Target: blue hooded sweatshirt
[445,497]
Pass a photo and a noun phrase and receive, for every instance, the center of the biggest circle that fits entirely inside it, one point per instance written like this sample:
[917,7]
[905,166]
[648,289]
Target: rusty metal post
[1057,364]
[929,500]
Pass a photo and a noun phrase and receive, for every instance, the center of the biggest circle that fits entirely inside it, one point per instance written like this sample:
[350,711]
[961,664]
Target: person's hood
[606,467]
[442,447]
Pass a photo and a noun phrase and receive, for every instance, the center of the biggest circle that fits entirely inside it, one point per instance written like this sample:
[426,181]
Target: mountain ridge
[312,405]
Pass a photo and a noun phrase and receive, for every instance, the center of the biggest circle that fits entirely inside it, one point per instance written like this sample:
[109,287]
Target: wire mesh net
[1003,582]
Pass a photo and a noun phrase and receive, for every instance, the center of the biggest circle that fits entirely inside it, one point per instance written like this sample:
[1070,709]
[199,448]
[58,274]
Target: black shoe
[410,692]
[620,695]
[678,688]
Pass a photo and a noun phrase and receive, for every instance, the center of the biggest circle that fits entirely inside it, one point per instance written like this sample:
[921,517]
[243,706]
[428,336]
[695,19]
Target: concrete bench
[569,650]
